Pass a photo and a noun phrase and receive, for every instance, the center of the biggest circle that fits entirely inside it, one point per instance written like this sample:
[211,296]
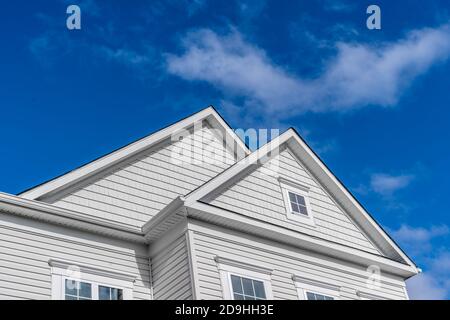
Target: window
[107,293]
[76,290]
[309,288]
[79,290]
[243,281]
[247,289]
[315,296]
[296,199]
[71,281]
[298,204]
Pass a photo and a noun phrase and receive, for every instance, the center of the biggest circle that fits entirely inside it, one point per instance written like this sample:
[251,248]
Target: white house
[189,212]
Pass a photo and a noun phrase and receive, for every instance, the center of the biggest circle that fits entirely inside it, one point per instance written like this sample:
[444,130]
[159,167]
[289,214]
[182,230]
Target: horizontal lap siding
[259,195]
[171,273]
[27,246]
[135,192]
[283,263]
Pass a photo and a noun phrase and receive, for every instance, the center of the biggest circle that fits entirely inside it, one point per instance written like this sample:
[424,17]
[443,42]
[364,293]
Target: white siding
[285,261]
[259,195]
[26,247]
[171,273]
[136,191]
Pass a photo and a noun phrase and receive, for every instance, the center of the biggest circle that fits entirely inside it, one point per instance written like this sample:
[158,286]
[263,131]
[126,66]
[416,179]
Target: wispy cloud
[422,243]
[386,184]
[418,239]
[358,75]
[425,287]
[125,56]
[338,5]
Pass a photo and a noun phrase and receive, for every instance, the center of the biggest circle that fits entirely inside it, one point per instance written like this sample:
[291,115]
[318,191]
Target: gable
[259,195]
[133,192]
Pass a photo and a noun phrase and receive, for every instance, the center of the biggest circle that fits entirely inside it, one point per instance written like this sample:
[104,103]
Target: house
[189,212]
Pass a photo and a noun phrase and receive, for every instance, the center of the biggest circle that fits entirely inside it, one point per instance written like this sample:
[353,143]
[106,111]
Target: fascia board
[36,210]
[129,151]
[338,191]
[205,212]
[317,167]
[236,169]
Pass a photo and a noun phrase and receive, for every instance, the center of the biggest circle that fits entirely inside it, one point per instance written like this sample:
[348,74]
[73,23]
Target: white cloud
[434,283]
[125,56]
[407,233]
[358,75]
[426,287]
[386,184]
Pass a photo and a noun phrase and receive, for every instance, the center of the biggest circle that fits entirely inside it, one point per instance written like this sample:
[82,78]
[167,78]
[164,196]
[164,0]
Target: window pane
[301,200]
[85,290]
[71,287]
[248,298]
[259,289]
[70,298]
[107,293]
[295,207]
[104,293]
[292,197]
[303,210]
[310,296]
[248,287]
[236,283]
[238,297]
[316,296]
[116,294]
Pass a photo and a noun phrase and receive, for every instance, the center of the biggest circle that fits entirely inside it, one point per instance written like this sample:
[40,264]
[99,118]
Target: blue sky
[372,103]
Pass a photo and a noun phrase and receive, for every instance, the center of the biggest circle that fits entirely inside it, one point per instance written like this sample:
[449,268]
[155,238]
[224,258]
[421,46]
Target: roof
[103,163]
[323,174]
[195,199]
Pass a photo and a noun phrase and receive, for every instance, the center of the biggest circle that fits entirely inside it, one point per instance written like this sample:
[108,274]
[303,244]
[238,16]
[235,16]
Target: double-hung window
[71,281]
[82,290]
[243,281]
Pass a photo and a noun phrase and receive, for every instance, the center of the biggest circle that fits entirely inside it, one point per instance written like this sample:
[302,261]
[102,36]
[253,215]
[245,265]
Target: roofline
[370,216]
[118,155]
[292,135]
[40,211]
[170,216]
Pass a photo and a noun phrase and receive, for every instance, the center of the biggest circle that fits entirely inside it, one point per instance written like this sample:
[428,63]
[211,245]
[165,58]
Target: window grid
[316,296]
[242,291]
[298,204]
[76,290]
[108,293]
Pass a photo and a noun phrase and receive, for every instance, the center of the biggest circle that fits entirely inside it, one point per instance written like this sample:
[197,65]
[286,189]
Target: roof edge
[91,168]
[291,135]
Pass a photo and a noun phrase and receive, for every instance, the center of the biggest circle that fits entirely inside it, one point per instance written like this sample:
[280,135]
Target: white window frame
[229,267]
[305,285]
[65,270]
[291,186]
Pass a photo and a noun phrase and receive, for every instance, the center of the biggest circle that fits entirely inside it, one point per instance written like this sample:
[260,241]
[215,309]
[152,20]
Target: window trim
[228,267]
[291,186]
[61,270]
[305,285]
